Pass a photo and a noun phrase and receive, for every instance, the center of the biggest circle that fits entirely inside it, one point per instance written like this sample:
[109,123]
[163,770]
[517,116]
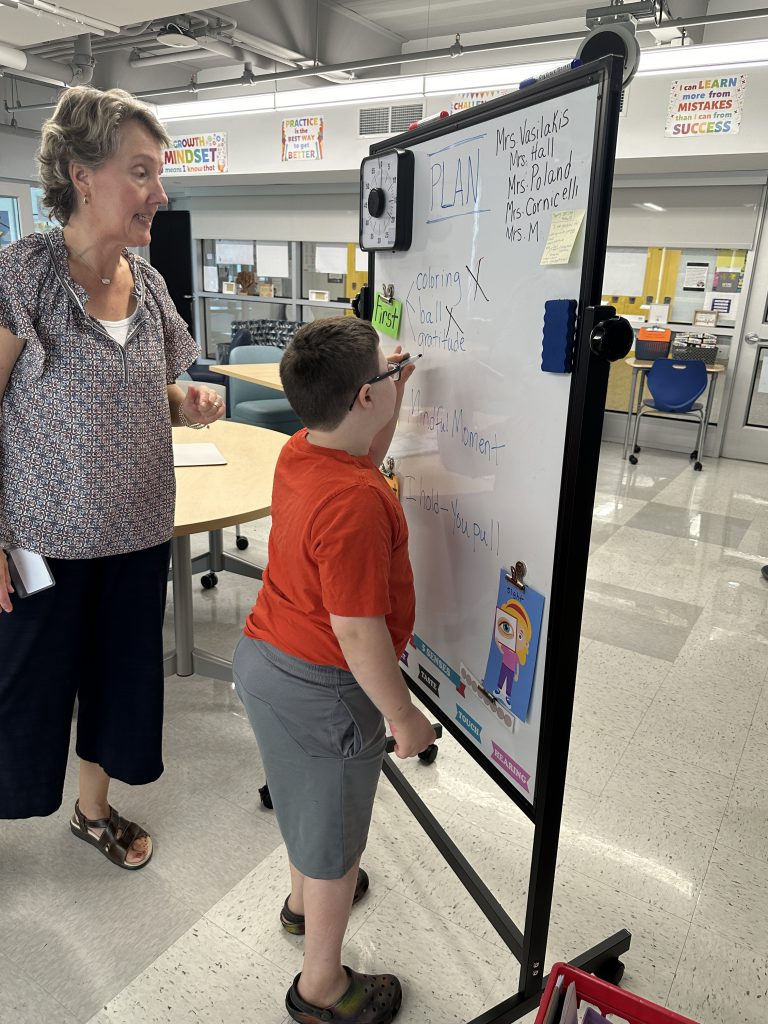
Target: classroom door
[746,429]
[170,253]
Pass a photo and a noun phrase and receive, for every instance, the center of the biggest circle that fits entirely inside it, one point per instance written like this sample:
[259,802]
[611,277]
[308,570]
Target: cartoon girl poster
[511,663]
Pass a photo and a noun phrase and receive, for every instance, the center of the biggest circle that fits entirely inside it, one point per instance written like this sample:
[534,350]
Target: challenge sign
[706,106]
[197,154]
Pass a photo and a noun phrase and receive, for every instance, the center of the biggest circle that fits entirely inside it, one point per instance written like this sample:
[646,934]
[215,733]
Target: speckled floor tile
[452,973]
[70,945]
[640,546]
[601,532]
[673,521]
[676,794]
[600,705]
[715,646]
[614,508]
[593,757]
[608,567]
[431,883]
[640,674]
[645,623]
[720,982]
[713,492]
[692,735]
[586,911]
[733,698]
[745,825]
[22,1001]
[207,975]
[754,758]
[734,899]
[633,852]
[760,720]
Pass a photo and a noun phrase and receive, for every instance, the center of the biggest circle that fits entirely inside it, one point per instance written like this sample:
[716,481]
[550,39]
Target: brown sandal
[115,841]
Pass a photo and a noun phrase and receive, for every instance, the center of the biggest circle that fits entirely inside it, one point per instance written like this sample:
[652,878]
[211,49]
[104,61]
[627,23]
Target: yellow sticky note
[562,234]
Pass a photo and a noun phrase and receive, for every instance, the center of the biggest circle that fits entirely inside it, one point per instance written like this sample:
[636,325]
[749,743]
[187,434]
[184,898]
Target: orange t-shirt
[338,545]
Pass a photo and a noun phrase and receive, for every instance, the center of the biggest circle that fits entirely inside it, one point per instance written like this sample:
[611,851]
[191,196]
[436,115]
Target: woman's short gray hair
[85,129]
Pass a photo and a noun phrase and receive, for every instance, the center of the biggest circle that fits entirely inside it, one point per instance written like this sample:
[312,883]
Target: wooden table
[641,367]
[267,374]
[208,498]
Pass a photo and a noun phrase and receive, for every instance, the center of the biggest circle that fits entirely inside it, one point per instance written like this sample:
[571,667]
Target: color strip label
[511,767]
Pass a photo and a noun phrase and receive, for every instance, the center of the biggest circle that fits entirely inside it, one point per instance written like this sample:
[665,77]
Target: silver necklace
[104,280]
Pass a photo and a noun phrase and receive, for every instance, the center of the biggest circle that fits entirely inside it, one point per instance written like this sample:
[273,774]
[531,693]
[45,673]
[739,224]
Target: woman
[90,348]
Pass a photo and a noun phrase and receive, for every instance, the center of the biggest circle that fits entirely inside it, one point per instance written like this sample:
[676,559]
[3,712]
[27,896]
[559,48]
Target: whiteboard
[480,442]
[624,272]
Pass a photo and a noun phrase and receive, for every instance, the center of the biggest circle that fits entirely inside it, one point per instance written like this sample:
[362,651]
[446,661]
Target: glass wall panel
[10,230]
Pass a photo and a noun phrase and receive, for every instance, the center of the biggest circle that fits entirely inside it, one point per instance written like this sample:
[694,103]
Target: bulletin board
[510,210]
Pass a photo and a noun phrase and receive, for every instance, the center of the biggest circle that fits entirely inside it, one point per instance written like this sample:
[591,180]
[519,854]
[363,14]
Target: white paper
[272,259]
[624,273]
[563,229]
[32,569]
[234,252]
[210,279]
[197,455]
[361,260]
[695,277]
[570,1014]
[331,259]
[762,385]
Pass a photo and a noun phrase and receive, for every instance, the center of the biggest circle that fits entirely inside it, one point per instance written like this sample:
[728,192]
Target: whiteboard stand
[551,526]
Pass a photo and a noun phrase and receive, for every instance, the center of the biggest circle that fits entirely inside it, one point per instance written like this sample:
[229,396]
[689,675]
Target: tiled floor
[665,827]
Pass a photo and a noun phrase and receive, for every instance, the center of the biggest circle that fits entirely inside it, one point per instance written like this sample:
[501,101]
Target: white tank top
[118,329]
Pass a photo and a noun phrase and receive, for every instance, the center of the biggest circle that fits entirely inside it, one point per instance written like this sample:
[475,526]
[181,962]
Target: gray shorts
[322,740]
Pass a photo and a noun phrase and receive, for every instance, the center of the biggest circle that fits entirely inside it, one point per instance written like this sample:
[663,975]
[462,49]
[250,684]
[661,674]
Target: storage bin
[623,1006]
[652,344]
[686,350]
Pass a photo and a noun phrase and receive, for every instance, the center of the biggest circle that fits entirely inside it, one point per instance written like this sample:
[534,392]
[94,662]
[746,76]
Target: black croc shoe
[294,923]
[370,999]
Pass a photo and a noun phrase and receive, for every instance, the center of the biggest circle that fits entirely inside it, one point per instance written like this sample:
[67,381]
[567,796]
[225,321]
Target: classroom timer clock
[386,201]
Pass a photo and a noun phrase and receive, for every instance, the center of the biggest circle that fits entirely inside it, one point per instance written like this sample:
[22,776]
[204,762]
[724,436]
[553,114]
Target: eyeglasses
[393,370]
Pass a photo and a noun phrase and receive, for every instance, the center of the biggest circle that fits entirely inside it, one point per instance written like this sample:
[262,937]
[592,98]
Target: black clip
[516,575]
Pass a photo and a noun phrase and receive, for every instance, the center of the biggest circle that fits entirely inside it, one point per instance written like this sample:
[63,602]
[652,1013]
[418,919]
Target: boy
[318,669]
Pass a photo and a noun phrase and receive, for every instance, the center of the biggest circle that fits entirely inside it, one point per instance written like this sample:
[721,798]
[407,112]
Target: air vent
[623,102]
[389,120]
[403,117]
[374,121]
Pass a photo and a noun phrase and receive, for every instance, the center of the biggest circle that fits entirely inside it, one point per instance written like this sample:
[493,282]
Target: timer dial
[386,201]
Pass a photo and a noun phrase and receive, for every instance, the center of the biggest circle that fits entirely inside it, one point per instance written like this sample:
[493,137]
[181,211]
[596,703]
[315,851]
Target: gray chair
[255,403]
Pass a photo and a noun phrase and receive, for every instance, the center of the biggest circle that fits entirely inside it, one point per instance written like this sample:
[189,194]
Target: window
[10,230]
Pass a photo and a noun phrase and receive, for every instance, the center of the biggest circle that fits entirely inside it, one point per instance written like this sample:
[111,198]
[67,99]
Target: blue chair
[675,384]
[255,403]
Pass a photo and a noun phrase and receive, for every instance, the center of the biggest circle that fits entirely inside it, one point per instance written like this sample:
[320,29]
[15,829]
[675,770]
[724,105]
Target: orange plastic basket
[624,1006]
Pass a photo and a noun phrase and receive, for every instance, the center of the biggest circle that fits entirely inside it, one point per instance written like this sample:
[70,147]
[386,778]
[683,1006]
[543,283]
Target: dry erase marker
[409,360]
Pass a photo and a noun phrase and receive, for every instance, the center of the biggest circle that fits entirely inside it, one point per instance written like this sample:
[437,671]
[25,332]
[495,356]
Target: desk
[267,374]
[641,367]
[208,498]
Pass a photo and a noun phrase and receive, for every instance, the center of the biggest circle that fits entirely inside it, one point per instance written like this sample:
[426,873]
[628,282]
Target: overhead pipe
[84,20]
[79,72]
[168,58]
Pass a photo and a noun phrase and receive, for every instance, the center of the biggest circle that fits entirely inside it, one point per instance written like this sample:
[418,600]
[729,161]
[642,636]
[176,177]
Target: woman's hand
[6,587]
[201,405]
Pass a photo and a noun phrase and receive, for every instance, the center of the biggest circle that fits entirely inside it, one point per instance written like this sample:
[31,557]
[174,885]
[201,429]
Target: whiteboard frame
[581,451]
[578,444]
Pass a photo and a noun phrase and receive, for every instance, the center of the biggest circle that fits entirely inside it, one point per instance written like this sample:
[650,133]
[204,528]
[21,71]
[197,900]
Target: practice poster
[197,154]
[705,106]
[302,138]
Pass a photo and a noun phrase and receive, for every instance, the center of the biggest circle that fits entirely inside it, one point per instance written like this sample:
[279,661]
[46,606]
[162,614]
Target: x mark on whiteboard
[476,279]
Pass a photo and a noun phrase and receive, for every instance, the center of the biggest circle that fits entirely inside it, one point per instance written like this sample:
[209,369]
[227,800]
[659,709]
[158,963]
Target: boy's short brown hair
[325,365]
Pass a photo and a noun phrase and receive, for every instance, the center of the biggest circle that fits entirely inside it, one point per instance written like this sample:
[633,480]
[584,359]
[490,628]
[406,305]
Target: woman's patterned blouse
[86,459]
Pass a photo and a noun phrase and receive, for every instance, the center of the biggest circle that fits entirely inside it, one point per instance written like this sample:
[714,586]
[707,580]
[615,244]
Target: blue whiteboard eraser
[559,335]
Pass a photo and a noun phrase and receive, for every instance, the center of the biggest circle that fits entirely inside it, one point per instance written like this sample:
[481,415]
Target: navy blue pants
[95,636]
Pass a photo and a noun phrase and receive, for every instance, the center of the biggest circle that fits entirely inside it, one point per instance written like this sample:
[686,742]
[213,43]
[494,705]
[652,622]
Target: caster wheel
[633,459]
[209,580]
[429,755]
[694,454]
[638,449]
[697,466]
[611,970]
[242,543]
[265,798]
